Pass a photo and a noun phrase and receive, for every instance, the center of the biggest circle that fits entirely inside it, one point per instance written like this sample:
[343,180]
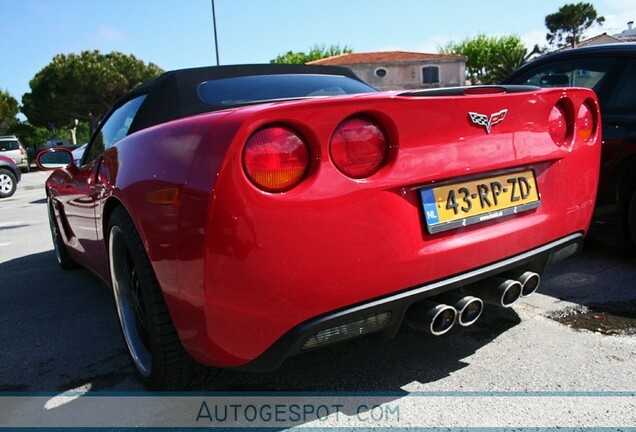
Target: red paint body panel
[240,267]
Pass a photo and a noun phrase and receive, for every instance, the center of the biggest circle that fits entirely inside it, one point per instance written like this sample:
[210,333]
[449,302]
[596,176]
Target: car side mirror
[54,158]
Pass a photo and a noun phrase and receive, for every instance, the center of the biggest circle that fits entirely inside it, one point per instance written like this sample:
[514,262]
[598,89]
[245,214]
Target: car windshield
[251,89]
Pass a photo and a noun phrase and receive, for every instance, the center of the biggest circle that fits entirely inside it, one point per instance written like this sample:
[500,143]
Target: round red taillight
[585,122]
[558,125]
[359,147]
[276,159]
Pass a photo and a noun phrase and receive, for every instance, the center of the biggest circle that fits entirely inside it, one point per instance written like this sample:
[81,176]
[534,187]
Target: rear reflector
[359,147]
[276,159]
[348,330]
[166,196]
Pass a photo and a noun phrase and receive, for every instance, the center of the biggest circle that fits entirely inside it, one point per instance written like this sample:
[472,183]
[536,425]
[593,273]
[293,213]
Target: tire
[8,183]
[154,347]
[62,256]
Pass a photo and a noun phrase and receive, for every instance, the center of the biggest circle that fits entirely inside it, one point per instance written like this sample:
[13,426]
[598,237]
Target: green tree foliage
[508,61]
[8,110]
[568,24]
[82,87]
[489,58]
[317,52]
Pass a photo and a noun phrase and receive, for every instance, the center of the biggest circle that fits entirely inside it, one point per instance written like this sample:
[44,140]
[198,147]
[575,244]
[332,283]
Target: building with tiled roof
[602,39]
[628,35]
[398,70]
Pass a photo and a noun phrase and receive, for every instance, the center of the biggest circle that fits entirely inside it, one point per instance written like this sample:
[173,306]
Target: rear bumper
[24,164]
[396,305]
[272,267]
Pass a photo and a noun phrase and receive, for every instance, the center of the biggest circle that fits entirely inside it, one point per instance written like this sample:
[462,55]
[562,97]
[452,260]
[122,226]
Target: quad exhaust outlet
[439,314]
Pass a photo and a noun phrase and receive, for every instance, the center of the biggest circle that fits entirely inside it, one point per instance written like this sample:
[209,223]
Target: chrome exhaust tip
[468,308]
[500,291]
[529,283]
[431,317]
[529,280]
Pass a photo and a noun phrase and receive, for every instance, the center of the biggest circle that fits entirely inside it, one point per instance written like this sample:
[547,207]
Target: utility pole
[216,39]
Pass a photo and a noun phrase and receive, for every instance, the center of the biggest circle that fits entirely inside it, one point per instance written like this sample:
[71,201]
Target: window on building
[380,72]
[430,75]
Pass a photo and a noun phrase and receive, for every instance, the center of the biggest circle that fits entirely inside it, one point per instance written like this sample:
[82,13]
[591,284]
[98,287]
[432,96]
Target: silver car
[10,146]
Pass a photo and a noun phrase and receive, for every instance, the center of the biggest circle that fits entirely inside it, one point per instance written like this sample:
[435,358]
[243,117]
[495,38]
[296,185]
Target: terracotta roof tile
[380,57]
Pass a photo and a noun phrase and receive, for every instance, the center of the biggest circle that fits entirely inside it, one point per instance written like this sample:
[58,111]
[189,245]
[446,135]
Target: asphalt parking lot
[58,332]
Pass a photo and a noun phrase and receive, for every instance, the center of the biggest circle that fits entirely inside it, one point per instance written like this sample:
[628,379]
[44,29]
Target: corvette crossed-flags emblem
[488,122]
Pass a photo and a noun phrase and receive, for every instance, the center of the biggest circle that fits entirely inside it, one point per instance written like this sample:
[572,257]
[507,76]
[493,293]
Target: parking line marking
[67,396]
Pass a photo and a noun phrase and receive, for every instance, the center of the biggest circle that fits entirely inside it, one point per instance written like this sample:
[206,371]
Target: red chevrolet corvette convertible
[244,214]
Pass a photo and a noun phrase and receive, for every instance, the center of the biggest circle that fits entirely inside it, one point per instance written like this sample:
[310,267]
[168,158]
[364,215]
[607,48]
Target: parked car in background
[58,142]
[244,214]
[9,176]
[11,147]
[610,70]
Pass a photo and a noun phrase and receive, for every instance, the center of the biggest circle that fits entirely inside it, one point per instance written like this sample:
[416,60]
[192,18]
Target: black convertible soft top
[177,94]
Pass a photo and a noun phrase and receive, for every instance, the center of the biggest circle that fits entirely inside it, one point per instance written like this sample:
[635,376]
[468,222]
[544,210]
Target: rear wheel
[8,183]
[156,352]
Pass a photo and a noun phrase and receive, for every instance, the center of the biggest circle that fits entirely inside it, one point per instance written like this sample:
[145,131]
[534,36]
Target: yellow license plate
[460,204]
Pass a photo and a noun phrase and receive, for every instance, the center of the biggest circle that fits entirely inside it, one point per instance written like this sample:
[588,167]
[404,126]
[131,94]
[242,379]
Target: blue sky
[178,34]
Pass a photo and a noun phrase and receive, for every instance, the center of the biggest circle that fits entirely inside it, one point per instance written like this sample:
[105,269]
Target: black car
[610,70]
[9,176]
